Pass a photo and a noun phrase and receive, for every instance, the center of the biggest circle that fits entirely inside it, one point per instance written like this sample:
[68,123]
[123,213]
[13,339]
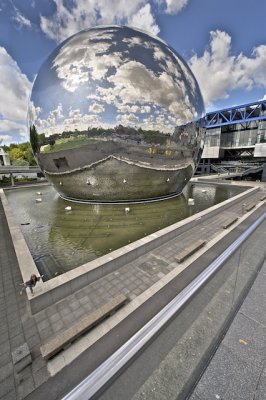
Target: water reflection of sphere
[114,115]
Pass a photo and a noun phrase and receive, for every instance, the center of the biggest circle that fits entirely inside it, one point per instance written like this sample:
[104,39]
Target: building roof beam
[241,114]
[237,121]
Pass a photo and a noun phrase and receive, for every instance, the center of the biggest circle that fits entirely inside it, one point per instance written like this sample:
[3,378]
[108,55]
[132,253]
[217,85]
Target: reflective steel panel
[115,116]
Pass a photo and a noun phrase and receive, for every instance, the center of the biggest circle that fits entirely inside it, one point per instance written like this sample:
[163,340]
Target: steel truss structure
[243,114]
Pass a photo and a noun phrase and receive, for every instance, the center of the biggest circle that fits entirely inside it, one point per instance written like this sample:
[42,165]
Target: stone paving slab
[238,369]
[17,325]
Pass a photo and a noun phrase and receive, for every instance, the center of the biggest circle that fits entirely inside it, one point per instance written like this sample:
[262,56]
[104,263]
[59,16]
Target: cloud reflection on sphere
[114,115]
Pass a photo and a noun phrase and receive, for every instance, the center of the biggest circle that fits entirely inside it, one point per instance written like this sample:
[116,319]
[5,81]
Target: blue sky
[224,43]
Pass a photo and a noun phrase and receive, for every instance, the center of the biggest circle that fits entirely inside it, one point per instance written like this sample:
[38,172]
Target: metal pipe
[101,375]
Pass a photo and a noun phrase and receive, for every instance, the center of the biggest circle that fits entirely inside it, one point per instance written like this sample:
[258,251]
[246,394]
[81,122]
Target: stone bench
[229,222]
[188,251]
[62,339]
[250,206]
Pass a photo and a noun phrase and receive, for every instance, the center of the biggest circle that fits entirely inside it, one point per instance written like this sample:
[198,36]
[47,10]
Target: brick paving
[19,326]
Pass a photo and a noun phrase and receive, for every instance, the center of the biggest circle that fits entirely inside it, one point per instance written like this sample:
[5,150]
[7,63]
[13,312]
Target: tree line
[20,154]
[23,153]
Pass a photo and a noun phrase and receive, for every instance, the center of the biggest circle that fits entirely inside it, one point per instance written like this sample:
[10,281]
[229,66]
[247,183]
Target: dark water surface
[61,240]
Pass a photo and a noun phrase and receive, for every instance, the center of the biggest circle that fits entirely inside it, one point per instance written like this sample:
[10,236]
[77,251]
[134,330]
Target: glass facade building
[235,136]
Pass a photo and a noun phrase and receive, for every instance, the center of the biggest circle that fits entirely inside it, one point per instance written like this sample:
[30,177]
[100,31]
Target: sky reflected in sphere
[114,116]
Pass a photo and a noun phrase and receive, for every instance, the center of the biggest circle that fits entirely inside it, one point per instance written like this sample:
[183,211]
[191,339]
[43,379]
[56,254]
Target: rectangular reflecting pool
[61,240]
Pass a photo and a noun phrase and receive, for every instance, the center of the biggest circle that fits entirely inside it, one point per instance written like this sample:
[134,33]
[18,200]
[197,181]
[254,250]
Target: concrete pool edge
[26,263]
[61,286]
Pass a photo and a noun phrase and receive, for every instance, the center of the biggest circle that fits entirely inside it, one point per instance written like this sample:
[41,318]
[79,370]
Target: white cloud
[73,59]
[33,113]
[56,123]
[51,121]
[6,139]
[15,89]
[145,109]
[133,109]
[144,19]
[75,121]
[133,41]
[127,119]
[57,112]
[41,123]
[11,131]
[90,119]
[96,108]
[132,83]
[20,19]
[173,6]
[219,72]
[88,13]
[7,125]
[128,108]
[75,113]
[150,123]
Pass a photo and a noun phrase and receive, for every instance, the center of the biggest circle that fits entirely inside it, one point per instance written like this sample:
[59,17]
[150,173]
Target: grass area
[68,143]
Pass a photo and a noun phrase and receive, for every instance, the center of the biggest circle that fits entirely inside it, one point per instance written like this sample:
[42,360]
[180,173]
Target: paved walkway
[19,326]
[238,369]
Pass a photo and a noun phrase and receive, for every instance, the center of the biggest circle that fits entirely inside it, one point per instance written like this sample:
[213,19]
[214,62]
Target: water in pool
[61,240]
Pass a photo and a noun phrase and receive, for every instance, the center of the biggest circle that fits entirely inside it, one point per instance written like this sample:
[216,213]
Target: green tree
[16,154]
[23,146]
[20,162]
[29,156]
[34,139]
[13,146]
[41,139]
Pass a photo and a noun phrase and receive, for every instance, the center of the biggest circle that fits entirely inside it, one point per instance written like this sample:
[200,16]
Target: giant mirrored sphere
[115,115]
